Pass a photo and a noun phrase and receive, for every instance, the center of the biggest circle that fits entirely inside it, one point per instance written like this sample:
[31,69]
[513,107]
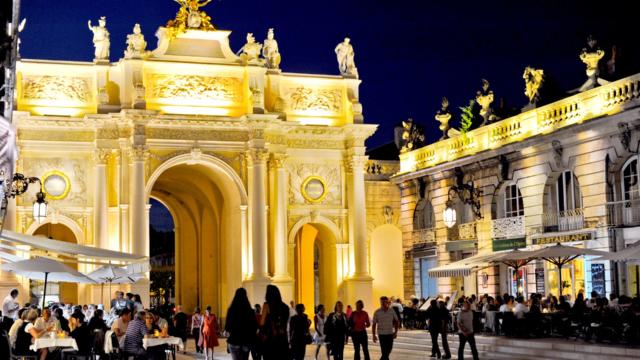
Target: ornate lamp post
[19,185]
[467,193]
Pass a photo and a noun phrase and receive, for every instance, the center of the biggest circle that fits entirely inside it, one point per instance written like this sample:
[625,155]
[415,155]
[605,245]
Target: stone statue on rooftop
[345,55]
[591,56]
[136,45]
[250,52]
[484,98]
[270,51]
[443,116]
[411,137]
[533,79]
[100,39]
[191,17]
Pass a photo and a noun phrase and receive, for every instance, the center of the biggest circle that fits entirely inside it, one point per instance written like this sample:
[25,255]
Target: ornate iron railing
[563,221]
[508,227]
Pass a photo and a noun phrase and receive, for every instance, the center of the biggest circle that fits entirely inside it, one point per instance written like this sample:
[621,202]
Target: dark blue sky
[409,53]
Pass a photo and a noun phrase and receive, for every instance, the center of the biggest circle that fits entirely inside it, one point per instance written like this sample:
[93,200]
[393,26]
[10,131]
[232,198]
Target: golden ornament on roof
[189,17]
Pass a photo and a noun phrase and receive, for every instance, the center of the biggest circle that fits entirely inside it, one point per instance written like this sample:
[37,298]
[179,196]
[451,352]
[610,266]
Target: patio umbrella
[40,268]
[112,275]
[631,253]
[560,255]
[514,259]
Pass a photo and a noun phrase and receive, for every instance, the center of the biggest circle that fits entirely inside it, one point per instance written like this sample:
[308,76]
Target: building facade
[264,172]
[565,172]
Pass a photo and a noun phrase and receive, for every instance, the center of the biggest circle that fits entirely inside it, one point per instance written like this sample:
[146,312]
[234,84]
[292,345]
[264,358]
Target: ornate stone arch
[207,160]
[319,219]
[77,231]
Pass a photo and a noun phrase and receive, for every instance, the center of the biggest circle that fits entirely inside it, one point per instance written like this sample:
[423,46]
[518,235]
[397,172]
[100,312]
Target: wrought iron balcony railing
[623,213]
[508,227]
[563,221]
[424,236]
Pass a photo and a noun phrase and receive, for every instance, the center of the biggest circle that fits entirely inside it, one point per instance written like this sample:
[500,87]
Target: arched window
[513,204]
[630,183]
[423,216]
[568,192]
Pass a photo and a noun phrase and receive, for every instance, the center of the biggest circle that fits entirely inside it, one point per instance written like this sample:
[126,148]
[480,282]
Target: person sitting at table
[520,309]
[81,334]
[97,322]
[153,352]
[161,323]
[46,320]
[13,331]
[136,331]
[28,333]
[119,326]
[64,323]
[508,304]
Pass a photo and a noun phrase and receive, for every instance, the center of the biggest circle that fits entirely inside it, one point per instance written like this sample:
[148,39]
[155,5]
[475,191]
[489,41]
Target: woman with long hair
[299,336]
[273,326]
[209,338]
[241,326]
[196,326]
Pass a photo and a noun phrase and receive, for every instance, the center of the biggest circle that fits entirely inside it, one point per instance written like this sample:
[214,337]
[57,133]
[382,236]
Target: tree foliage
[466,117]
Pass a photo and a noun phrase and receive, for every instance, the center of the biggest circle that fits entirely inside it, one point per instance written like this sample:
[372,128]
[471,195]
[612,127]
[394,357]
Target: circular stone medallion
[314,189]
[56,185]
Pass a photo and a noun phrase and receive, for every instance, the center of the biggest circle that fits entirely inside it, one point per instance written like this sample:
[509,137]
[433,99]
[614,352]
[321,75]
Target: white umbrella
[560,255]
[631,253]
[112,275]
[40,268]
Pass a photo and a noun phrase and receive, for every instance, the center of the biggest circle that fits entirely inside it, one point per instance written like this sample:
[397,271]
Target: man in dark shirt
[64,323]
[444,317]
[180,324]
[434,317]
[80,333]
[97,322]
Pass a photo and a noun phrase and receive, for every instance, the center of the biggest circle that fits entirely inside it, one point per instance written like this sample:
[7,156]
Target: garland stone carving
[302,98]
[49,87]
[196,87]
[330,173]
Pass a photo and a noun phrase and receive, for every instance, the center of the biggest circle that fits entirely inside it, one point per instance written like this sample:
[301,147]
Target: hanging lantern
[39,208]
[449,216]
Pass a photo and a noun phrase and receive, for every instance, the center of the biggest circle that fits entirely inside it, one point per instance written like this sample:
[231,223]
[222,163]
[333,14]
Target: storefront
[516,279]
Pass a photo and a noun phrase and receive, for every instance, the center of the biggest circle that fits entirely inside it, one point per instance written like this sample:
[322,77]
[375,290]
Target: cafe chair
[12,356]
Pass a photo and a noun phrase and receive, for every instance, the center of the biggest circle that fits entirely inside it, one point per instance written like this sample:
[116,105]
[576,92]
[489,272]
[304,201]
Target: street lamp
[467,193]
[18,185]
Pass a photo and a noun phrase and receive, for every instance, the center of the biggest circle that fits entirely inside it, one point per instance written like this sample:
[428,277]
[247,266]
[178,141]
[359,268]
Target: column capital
[353,162]
[258,155]
[278,160]
[101,156]
[139,153]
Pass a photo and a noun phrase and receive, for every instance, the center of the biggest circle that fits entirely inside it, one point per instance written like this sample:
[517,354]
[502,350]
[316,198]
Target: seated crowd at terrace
[614,319]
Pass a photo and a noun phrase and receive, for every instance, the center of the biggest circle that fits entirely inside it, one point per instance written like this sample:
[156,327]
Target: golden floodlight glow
[315,121]
[194,110]
[605,100]
[56,111]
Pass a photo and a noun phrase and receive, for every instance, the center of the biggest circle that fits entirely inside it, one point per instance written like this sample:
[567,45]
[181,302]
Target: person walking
[10,309]
[433,316]
[180,325]
[465,331]
[256,354]
[336,330]
[241,325]
[358,324]
[299,336]
[273,326]
[209,339]
[444,329]
[319,338]
[196,326]
[385,325]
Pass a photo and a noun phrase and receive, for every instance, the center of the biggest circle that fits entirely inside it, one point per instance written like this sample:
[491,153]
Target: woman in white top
[319,337]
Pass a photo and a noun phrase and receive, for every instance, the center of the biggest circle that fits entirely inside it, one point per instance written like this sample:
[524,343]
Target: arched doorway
[162,254]
[315,266]
[386,257]
[66,292]
[205,203]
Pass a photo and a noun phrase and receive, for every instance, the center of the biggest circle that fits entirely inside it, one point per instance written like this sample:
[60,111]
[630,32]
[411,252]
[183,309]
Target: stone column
[259,277]
[359,286]
[281,276]
[138,225]
[100,205]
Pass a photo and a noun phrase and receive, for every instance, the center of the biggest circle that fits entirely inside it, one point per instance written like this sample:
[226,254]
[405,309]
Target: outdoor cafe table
[172,341]
[48,342]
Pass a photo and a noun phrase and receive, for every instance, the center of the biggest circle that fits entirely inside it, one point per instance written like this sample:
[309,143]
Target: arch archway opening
[204,205]
[162,253]
[56,292]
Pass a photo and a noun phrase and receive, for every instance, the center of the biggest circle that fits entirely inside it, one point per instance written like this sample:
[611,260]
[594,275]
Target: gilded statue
[345,55]
[100,39]
[250,52]
[136,45]
[591,56]
[191,17]
[484,98]
[270,51]
[443,116]
[533,79]
[412,136]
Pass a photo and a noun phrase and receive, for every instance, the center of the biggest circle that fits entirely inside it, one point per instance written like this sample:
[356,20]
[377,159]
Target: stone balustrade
[380,169]
[604,100]
[424,236]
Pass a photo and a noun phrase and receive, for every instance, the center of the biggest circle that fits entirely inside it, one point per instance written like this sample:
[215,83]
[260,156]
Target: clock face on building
[56,185]
[314,189]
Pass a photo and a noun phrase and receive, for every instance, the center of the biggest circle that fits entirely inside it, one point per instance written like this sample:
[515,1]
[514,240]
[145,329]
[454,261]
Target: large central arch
[207,201]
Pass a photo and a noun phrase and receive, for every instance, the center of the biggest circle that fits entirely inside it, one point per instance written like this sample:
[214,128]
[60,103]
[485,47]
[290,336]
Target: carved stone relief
[330,173]
[195,87]
[48,87]
[74,169]
[307,99]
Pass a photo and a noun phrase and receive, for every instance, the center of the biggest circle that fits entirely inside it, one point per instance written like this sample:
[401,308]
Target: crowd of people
[275,330]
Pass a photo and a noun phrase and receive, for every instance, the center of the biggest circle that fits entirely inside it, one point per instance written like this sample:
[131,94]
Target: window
[423,217]
[513,205]
[630,187]
[568,192]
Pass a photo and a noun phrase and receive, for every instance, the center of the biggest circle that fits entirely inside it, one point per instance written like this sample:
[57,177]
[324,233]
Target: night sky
[409,53]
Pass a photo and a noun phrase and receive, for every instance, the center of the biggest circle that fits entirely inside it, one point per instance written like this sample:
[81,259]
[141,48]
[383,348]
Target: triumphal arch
[251,161]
